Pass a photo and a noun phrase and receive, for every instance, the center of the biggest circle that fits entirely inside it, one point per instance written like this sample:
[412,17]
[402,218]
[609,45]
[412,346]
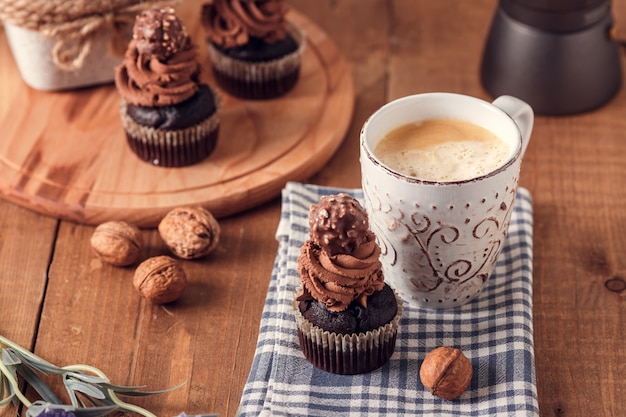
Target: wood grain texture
[205,340]
[64,153]
[575,167]
[27,241]
[361,32]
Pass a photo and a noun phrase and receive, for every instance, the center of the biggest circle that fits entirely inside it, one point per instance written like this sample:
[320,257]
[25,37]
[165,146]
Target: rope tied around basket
[74,25]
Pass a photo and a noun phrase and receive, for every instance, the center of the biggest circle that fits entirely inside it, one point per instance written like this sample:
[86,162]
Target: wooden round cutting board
[64,154]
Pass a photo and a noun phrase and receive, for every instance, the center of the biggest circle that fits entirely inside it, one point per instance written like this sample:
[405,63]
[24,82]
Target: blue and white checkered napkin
[495,331]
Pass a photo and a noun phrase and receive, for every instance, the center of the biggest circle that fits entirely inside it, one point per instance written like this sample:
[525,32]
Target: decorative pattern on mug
[436,250]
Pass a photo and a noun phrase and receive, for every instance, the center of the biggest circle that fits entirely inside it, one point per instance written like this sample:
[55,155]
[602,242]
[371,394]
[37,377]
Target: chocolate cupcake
[255,53]
[346,316]
[170,117]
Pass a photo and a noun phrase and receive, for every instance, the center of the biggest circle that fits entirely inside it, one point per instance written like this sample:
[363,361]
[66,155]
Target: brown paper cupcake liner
[172,148]
[258,80]
[347,354]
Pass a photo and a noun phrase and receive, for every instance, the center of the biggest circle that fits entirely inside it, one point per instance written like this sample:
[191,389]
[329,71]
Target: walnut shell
[190,232]
[446,372]
[117,243]
[160,279]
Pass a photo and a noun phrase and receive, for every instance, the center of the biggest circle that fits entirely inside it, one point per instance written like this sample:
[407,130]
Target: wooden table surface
[57,299]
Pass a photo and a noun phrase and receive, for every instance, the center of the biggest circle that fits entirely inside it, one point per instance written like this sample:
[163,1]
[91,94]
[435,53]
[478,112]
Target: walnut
[190,232]
[117,243]
[446,372]
[160,279]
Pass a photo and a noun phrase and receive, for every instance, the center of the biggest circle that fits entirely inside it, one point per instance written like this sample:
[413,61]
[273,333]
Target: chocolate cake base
[381,308]
[190,112]
[171,146]
[348,353]
[173,153]
[249,90]
[259,71]
[257,50]
[346,361]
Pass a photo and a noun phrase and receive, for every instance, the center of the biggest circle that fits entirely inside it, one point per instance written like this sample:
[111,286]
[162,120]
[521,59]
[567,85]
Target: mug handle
[521,113]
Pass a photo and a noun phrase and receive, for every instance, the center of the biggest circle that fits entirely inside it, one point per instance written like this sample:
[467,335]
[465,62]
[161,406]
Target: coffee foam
[442,150]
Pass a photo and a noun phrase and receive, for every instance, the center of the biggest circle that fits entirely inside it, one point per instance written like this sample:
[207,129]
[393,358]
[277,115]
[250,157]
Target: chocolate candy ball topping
[338,224]
[159,32]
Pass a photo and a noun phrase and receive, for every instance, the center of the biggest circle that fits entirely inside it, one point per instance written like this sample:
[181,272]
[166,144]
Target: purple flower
[51,412]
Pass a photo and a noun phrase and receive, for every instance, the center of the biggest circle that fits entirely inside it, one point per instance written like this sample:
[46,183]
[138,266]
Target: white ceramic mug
[440,240]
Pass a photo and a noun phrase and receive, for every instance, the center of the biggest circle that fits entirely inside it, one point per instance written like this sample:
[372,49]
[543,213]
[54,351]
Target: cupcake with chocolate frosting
[347,316]
[255,53]
[170,117]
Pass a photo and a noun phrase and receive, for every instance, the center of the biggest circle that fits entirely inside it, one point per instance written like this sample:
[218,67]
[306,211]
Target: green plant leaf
[133,391]
[6,401]
[37,383]
[38,365]
[9,358]
[91,379]
[87,389]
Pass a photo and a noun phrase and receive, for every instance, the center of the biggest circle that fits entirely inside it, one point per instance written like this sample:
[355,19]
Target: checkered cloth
[495,331]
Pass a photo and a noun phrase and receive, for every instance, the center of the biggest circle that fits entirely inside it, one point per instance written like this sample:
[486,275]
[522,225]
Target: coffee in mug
[442,150]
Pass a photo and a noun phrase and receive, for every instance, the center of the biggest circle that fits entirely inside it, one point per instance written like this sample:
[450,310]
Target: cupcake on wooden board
[346,315]
[255,53]
[171,119]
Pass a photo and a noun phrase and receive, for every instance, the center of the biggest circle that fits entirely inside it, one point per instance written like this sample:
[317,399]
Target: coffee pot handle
[521,113]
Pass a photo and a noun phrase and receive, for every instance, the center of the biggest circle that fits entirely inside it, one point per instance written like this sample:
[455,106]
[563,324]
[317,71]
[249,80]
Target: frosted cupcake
[171,119]
[255,53]
[346,316]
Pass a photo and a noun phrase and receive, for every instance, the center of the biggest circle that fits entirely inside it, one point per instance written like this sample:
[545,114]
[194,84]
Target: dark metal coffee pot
[555,54]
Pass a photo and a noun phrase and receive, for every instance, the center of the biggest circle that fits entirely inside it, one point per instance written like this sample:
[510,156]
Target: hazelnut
[446,372]
[190,232]
[117,243]
[160,279]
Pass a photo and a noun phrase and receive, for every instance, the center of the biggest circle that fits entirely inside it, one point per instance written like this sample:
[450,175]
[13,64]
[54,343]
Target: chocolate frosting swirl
[337,280]
[160,67]
[231,23]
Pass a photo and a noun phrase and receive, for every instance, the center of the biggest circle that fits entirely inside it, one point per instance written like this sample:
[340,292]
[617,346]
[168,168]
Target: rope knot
[74,31]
